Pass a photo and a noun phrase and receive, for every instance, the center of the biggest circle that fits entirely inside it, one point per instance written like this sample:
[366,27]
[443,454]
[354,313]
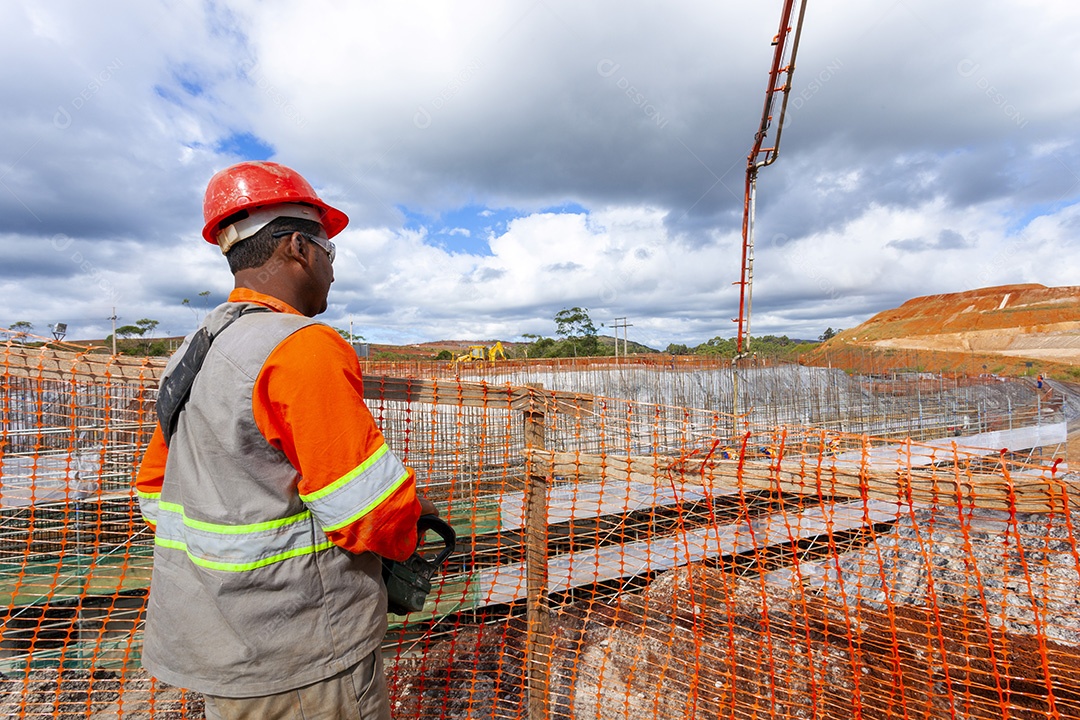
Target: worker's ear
[293,248]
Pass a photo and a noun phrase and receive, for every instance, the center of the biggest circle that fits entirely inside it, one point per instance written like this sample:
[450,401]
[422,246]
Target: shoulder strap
[176,388]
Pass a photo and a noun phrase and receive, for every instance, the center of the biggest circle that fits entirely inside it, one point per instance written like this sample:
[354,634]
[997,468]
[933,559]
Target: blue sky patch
[184,79]
[190,86]
[465,230]
[187,77]
[245,146]
[570,208]
[165,94]
[1017,223]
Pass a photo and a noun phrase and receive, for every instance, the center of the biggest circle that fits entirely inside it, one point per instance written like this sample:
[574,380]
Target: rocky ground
[985,627]
[51,694]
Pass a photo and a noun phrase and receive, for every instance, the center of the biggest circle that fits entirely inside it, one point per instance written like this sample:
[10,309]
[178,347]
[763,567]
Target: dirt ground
[1006,330]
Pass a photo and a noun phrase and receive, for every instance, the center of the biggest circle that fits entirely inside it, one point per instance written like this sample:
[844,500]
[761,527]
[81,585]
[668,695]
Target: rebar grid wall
[616,559]
[890,403]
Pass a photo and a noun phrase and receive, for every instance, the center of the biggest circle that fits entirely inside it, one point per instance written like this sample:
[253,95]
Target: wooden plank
[472,394]
[825,477]
[538,634]
[437,392]
[50,364]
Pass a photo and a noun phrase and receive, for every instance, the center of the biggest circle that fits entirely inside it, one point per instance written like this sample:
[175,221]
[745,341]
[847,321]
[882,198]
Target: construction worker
[270,488]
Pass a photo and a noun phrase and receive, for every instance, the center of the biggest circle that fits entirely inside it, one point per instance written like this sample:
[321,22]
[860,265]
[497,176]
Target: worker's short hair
[256,251]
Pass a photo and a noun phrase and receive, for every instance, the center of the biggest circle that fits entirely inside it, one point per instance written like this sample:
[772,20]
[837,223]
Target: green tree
[148,326]
[22,326]
[575,325]
[724,347]
[545,347]
[774,346]
[574,322]
[538,346]
[829,333]
[131,347]
[349,337]
[680,349]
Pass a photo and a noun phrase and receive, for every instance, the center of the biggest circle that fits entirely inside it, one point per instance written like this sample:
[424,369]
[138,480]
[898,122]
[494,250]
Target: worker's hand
[427,507]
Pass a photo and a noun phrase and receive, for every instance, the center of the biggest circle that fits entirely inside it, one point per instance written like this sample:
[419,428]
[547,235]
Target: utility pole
[113,318]
[620,322]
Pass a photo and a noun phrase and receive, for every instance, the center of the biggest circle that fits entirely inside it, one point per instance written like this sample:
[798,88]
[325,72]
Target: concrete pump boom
[783,67]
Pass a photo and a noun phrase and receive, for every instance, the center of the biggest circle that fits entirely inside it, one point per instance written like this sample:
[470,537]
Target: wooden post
[538,640]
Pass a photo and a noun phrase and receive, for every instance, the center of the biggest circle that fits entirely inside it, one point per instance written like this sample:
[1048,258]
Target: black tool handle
[441,528]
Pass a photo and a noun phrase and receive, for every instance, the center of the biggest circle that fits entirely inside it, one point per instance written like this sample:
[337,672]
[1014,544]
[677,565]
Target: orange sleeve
[308,402]
[151,475]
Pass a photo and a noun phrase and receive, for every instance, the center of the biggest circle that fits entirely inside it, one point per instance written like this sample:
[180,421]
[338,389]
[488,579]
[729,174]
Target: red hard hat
[255,184]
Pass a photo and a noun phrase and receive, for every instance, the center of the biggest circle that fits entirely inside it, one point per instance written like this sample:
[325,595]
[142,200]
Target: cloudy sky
[502,161]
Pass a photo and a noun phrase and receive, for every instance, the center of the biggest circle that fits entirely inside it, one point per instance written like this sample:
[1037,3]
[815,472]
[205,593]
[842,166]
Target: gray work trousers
[358,693]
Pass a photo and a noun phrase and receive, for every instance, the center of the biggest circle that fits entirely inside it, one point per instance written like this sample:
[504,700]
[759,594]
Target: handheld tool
[408,583]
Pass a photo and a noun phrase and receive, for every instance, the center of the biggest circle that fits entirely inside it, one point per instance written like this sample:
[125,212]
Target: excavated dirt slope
[1010,329]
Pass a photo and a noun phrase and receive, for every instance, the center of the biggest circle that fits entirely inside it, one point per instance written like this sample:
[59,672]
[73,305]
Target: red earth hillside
[1010,329]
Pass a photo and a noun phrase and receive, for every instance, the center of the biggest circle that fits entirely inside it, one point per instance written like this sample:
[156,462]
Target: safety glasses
[324,243]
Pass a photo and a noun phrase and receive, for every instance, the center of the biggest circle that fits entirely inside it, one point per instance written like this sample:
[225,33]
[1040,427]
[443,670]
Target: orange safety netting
[616,557]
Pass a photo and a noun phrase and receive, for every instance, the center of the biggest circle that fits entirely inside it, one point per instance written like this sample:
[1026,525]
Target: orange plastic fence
[616,558]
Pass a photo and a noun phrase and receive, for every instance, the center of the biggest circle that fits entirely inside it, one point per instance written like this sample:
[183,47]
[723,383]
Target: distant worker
[1044,387]
[270,488]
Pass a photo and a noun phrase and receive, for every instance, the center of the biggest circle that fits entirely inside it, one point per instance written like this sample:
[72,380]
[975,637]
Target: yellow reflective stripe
[232,529]
[241,567]
[148,496]
[349,476]
[149,507]
[371,505]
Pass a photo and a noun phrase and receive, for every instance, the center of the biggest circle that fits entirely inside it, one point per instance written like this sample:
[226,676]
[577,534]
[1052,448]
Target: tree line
[575,336]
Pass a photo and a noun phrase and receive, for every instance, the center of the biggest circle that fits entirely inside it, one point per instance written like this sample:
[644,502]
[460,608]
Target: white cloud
[928,149]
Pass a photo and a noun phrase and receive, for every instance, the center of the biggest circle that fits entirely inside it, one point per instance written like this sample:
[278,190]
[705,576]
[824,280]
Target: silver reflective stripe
[359,491]
[148,505]
[236,548]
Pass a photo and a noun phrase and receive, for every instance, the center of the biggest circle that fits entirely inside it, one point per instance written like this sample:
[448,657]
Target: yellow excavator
[480,353]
